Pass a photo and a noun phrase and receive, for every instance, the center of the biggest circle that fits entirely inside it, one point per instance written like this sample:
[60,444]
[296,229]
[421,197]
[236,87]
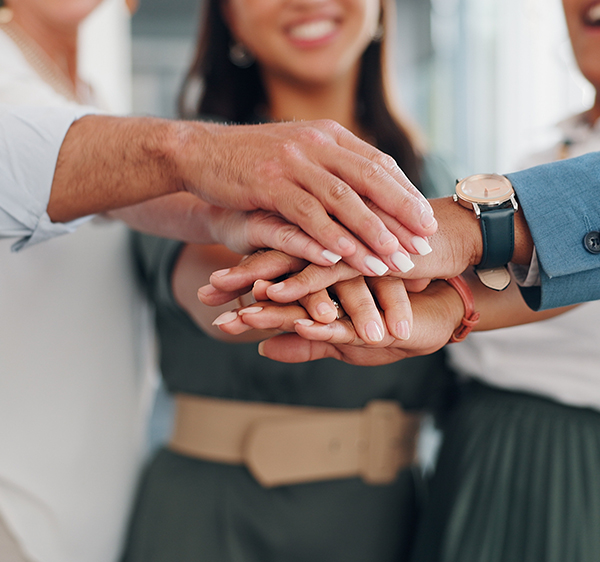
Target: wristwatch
[492,199]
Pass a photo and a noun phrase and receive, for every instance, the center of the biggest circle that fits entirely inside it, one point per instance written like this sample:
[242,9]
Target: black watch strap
[498,231]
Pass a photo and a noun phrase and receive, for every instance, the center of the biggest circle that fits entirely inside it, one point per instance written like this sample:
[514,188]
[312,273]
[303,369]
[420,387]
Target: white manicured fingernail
[250,310]
[376,266]
[330,256]
[225,318]
[261,349]
[304,322]
[421,245]
[374,331]
[402,261]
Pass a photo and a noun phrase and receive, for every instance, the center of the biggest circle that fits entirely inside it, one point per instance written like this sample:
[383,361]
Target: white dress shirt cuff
[527,275]
[30,140]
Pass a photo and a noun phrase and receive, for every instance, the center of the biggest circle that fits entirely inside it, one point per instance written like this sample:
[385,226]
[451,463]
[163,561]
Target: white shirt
[73,385]
[557,358]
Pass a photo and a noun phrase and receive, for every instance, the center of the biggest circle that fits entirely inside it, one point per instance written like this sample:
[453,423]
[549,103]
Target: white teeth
[312,30]
[593,15]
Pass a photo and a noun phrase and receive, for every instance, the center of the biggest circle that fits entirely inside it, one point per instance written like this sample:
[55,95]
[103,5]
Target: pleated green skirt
[518,480]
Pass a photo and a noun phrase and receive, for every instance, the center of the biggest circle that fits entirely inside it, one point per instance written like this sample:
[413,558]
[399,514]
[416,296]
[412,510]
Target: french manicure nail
[345,243]
[303,322]
[402,261]
[427,219]
[221,272]
[261,349]
[323,308]
[374,331]
[206,291]
[421,245]
[250,310]
[386,238]
[427,205]
[225,318]
[403,330]
[376,266]
[330,256]
[276,288]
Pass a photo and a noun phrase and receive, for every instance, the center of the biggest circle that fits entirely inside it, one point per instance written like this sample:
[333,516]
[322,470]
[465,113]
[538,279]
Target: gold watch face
[485,189]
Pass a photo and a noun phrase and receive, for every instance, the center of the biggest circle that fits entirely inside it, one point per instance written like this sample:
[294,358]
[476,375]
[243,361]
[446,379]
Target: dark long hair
[221,89]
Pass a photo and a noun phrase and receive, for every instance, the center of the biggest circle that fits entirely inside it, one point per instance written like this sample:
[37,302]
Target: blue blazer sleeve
[561,203]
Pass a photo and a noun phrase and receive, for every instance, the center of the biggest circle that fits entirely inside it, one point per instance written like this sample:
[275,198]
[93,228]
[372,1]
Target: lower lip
[591,29]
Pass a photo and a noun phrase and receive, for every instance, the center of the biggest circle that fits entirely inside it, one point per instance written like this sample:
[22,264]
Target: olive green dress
[517,480]
[189,510]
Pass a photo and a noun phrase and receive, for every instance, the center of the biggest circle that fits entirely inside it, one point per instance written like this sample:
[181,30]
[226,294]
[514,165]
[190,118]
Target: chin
[73,12]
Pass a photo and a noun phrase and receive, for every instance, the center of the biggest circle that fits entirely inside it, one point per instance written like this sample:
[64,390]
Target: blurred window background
[485,79]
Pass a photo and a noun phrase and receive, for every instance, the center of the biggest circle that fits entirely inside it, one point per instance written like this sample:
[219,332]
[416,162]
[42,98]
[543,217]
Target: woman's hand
[374,312]
[437,312]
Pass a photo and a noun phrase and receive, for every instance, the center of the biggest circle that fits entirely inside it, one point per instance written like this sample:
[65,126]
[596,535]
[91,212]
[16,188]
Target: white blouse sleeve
[30,140]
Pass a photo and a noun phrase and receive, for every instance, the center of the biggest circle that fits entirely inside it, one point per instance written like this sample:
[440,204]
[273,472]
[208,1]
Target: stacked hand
[307,188]
[380,322]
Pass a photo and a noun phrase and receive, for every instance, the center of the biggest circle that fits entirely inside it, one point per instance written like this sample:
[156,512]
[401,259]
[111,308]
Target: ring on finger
[340,313]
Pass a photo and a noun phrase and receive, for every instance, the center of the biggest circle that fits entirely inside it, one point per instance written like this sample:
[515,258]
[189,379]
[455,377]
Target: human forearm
[194,266]
[304,173]
[109,162]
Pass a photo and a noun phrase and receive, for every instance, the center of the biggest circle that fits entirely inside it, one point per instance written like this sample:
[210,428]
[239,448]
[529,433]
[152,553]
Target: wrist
[470,317]
[458,236]
[523,241]
[447,307]
[184,152]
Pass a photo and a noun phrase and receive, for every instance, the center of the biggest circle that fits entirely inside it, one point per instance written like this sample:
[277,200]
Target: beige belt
[282,444]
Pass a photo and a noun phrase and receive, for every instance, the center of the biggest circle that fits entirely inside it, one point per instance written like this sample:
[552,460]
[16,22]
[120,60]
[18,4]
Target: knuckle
[332,126]
[372,172]
[339,191]
[286,233]
[290,149]
[385,161]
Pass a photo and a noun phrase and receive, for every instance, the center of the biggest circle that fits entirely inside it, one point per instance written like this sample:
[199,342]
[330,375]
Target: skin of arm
[303,172]
[195,263]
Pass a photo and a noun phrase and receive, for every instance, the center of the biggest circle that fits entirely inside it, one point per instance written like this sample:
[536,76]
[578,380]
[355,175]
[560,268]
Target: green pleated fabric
[518,480]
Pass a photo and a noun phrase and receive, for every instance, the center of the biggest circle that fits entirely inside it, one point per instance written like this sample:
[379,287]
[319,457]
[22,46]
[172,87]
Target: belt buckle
[388,441]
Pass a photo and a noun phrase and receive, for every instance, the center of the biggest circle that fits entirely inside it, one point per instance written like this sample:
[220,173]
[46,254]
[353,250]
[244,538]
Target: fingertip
[331,257]
[221,273]
[421,245]
[225,318]
[303,322]
[326,312]
[346,246]
[402,262]
[205,292]
[403,330]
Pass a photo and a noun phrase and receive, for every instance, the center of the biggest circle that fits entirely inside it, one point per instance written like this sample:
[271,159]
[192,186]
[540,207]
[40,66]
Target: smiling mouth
[313,30]
[592,16]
